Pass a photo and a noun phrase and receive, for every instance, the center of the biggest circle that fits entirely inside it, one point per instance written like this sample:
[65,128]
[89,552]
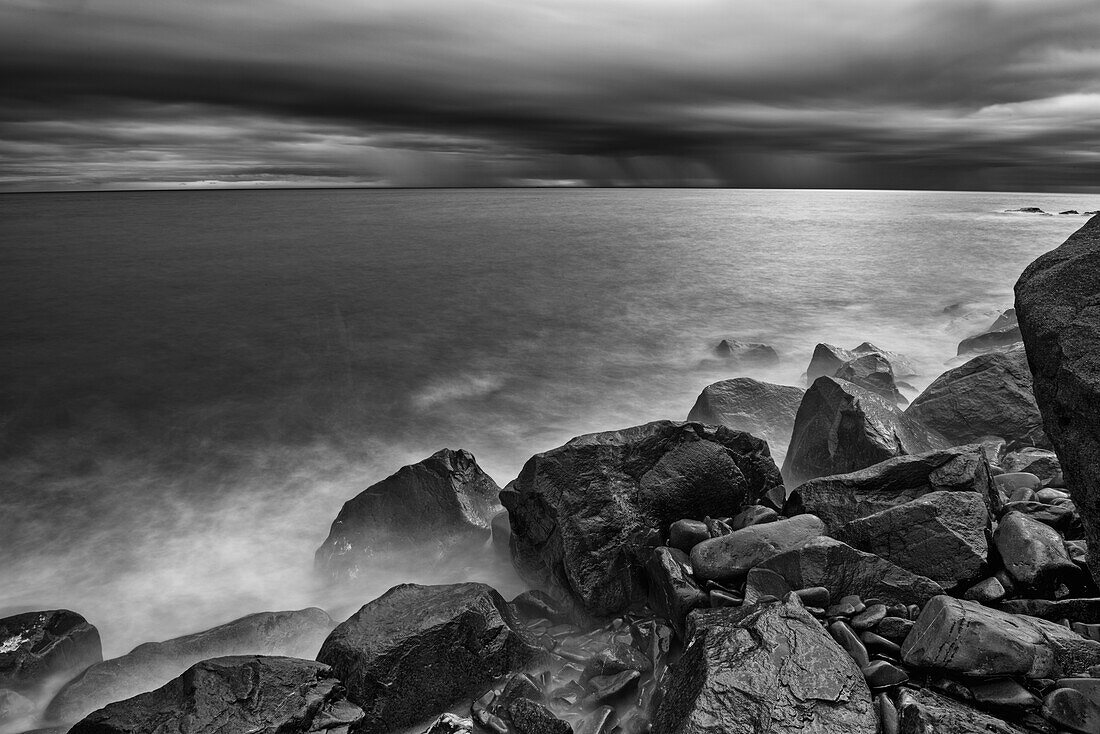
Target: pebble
[869,617]
[878,645]
[887,714]
[815,596]
[895,629]
[846,638]
[882,674]
[1004,693]
[685,534]
[987,591]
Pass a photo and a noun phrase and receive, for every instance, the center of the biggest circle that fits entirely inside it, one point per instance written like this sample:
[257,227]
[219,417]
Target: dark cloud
[911,93]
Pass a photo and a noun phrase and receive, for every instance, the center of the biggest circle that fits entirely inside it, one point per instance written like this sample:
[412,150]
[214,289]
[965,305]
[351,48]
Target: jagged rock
[827,359]
[990,340]
[296,634]
[1078,610]
[843,428]
[586,516]
[760,408]
[1056,305]
[1033,553]
[968,638]
[991,395]
[940,535]
[408,654]
[872,372]
[843,570]
[38,646]
[439,501]
[255,694]
[728,558]
[845,497]
[750,353]
[672,592]
[769,669]
[926,712]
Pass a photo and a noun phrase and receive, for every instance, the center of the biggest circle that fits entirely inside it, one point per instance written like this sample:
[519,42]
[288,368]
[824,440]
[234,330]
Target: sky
[909,94]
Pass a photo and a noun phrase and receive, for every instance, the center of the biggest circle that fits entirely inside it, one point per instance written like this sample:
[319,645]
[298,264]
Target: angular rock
[994,339]
[1033,553]
[1057,307]
[991,395]
[759,408]
[967,638]
[1078,610]
[672,592]
[987,591]
[926,712]
[38,646]
[255,694]
[416,649]
[441,500]
[749,353]
[827,359]
[769,668]
[585,516]
[842,428]
[1043,463]
[729,557]
[941,535]
[842,498]
[844,570]
[872,372]
[296,634]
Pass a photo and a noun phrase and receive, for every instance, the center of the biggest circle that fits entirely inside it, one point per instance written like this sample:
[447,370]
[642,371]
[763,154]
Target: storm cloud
[979,94]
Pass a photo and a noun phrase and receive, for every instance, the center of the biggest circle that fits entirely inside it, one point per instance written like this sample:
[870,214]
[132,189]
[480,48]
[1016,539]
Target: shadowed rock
[990,340]
[760,408]
[407,655]
[37,646]
[767,668]
[586,516]
[254,694]
[927,712]
[841,428]
[991,395]
[297,634]
[1058,305]
[438,501]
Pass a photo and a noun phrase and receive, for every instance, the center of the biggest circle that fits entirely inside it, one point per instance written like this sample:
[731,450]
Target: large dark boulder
[296,634]
[38,646]
[769,668]
[254,694]
[1058,305]
[841,428]
[845,497]
[586,516]
[444,499]
[991,395]
[415,650]
[744,404]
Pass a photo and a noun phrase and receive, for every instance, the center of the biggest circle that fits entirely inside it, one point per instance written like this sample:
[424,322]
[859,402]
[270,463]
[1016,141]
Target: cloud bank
[975,94]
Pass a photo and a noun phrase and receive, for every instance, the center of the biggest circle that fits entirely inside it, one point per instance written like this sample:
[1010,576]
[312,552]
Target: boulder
[760,408]
[768,669]
[991,395]
[728,558]
[442,500]
[941,535]
[841,428]
[967,638]
[1056,304]
[586,516]
[901,365]
[845,571]
[749,353]
[926,712]
[297,634]
[988,341]
[1033,553]
[845,497]
[408,655]
[872,372]
[36,647]
[827,359]
[253,693]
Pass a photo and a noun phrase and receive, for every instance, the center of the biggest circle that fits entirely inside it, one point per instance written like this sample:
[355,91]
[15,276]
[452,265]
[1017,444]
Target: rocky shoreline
[912,567]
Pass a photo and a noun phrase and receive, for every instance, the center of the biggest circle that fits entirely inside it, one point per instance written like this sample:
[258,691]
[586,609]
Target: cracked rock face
[416,649]
[586,516]
[252,693]
[767,669]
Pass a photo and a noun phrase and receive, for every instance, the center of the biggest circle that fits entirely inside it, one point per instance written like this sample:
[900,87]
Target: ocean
[192,383]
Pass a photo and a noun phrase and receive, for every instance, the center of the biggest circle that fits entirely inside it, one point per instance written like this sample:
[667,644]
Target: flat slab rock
[254,694]
[36,646]
[296,634]
[585,516]
[766,669]
[965,637]
[410,653]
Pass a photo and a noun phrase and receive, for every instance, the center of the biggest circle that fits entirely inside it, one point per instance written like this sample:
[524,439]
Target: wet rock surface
[872,372]
[729,558]
[744,404]
[36,647]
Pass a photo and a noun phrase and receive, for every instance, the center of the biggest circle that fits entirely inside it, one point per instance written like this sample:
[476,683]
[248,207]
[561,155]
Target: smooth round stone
[1009,483]
[1004,693]
[685,534]
[887,714]
[882,674]
[815,596]
[755,515]
[846,638]
[840,609]
[869,617]
[879,645]
[895,629]
[987,591]
[1073,710]
[1050,494]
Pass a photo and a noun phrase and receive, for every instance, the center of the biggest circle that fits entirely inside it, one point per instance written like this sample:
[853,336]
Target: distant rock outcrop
[748,353]
[760,408]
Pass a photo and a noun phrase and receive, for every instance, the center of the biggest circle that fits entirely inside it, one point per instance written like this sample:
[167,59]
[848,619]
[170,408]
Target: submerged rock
[586,516]
[38,646]
[767,669]
[444,499]
[743,404]
[843,428]
[1056,304]
[407,655]
[254,694]
[296,634]
[751,353]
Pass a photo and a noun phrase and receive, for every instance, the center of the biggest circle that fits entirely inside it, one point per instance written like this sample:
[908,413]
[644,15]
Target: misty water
[192,383]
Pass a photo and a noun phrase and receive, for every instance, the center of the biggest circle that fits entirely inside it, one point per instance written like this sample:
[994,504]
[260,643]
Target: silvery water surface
[192,383]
